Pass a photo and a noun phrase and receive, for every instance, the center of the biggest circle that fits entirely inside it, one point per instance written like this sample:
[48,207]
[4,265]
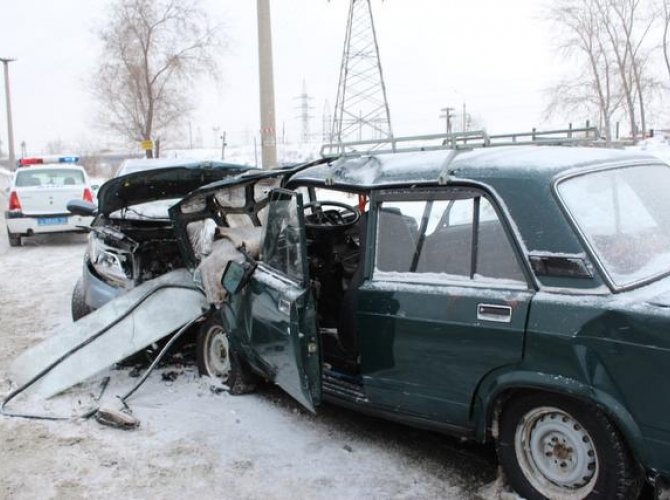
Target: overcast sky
[496,56]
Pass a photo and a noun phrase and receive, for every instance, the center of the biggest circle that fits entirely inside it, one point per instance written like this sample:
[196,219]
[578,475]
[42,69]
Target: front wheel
[78,306]
[215,358]
[554,447]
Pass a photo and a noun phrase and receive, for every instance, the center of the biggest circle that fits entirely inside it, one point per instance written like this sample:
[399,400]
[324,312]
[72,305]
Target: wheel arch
[492,396]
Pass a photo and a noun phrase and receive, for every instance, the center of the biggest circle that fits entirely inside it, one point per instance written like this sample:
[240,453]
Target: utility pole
[268,133]
[465,119]
[223,145]
[447,114]
[10,127]
[325,122]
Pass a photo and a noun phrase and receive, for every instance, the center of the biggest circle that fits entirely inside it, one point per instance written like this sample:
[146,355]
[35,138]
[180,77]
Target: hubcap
[556,454]
[218,359]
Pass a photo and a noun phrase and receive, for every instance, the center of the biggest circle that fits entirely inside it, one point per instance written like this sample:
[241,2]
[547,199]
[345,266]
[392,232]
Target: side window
[283,242]
[460,238]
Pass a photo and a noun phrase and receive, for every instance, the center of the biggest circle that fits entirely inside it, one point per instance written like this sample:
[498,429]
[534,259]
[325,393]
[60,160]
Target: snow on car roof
[425,167]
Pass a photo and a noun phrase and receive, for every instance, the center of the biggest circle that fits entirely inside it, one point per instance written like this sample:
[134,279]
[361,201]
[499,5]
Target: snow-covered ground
[658,146]
[192,441]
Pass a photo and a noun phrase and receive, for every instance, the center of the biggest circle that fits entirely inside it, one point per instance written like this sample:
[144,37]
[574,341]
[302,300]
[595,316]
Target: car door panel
[280,330]
[441,307]
[424,350]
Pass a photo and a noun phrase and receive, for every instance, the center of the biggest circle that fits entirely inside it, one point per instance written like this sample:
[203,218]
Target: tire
[78,306]
[551,446]
[215,358]
[14,239]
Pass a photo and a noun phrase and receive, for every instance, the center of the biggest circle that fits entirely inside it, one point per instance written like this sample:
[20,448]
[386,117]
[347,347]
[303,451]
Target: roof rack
[464,140]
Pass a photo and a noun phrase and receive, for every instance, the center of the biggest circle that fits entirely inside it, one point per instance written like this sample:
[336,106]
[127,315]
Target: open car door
[283,335]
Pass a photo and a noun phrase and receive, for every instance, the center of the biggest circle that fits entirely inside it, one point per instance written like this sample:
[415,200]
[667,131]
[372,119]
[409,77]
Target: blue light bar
[68,159]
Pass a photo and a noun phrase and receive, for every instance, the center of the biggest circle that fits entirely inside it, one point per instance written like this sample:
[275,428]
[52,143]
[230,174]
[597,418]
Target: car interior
[336,243]
[336,233]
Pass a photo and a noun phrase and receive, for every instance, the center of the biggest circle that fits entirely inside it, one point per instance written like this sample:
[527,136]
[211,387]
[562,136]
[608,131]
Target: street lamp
[10,127]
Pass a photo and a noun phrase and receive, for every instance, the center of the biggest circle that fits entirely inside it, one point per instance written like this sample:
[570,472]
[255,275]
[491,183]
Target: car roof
[482,164]
[521,176]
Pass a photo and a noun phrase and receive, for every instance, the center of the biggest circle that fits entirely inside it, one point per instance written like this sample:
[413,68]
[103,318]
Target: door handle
[494,312]
[284,306]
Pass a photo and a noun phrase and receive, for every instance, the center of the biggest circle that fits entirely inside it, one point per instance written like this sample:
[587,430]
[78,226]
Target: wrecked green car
[519,295]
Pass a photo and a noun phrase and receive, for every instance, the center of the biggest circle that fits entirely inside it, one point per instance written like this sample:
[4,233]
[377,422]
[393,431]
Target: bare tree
[627,30]
[153,52]
[594,85]
[665,19]
[611,38]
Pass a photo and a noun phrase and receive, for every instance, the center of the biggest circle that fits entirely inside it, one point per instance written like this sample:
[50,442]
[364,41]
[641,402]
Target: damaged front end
[222,222]
[132,239]
[125,253]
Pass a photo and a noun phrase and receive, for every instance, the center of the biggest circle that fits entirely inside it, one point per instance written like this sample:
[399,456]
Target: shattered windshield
[625,215]
[149,210]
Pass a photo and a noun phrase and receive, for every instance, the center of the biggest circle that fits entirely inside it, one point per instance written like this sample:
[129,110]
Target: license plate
[51,221]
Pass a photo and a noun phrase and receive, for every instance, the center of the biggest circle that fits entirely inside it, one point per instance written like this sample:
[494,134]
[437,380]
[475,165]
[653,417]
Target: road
[193,441]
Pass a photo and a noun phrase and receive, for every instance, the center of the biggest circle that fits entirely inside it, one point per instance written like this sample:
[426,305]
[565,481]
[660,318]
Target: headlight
[108,262]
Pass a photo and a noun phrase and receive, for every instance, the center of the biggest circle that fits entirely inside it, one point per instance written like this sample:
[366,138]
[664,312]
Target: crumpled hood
[161,184]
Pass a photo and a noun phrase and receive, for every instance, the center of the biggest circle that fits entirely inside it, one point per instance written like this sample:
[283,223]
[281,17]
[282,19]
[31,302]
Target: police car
[39,193]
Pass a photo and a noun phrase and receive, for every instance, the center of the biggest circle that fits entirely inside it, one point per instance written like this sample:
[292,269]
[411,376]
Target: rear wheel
[14,239]
[555,447]
[215,358]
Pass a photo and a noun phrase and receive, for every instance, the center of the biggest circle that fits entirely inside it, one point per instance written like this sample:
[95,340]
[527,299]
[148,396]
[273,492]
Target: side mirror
[81,207]
[236,276]
[95,187]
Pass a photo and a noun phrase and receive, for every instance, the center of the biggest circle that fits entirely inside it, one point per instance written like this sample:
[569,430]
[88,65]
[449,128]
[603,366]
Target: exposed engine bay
[130,252]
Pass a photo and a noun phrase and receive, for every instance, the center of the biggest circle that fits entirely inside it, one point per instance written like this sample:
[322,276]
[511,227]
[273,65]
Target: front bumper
[27,225]
[96,291]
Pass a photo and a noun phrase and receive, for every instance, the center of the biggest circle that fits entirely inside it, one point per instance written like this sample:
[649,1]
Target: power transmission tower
[361,108]
[305,109]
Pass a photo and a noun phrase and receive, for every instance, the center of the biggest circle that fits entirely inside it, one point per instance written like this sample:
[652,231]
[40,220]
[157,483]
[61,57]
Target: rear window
[624,214]
[52,177]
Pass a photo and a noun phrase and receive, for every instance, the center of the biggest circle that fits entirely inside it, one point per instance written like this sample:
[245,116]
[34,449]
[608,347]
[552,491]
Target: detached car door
[283,339]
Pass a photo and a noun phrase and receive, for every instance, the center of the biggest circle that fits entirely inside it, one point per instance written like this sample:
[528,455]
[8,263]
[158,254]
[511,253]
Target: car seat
[347,326]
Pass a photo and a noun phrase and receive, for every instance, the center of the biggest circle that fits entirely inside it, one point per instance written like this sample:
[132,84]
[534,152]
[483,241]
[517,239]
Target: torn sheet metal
[165,309]
[223,250]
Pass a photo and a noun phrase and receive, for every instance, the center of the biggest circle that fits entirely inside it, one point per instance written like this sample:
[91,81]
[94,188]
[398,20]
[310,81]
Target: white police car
[39,193]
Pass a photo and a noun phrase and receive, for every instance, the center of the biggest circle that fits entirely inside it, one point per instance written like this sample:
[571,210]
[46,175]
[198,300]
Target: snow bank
[657,146]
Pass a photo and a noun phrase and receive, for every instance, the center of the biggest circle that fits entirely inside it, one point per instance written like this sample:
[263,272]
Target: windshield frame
[586,240]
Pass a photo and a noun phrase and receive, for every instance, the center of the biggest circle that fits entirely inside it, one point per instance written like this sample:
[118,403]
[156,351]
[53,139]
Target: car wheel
[78,306]
[215,358]
[14,239]
[555,447]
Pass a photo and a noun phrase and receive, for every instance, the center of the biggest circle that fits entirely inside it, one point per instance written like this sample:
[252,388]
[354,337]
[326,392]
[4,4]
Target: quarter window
[431,240]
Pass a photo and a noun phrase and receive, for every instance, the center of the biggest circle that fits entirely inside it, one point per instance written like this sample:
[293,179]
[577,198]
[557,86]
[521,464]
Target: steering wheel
[329,218]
